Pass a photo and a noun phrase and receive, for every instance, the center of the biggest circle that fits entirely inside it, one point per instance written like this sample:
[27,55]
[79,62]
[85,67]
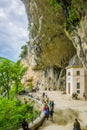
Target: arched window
[78,73]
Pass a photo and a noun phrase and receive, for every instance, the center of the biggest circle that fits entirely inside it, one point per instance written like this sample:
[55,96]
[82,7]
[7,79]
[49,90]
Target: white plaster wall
[80,79]
[73,79]
[69,80]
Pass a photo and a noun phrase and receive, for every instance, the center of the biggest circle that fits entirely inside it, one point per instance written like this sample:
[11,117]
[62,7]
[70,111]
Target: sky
[13,28]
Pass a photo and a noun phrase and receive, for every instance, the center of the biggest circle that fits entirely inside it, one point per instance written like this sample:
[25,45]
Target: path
[66,110]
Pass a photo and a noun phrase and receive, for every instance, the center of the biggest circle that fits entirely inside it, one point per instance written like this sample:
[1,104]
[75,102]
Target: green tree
[6,68]
[24,51]
[18,72]
[10,76]
[13,112]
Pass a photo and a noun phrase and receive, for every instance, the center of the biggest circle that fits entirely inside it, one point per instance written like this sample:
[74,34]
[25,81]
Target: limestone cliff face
[78,33]
[49,45]
[46,78]
[50,48]
[79,39]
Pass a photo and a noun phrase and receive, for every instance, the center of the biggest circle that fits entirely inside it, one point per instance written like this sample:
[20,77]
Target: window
[78,85]
[78,72]
[78,91]
[69,73]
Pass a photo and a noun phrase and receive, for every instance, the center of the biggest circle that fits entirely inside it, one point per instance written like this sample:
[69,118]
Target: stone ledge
[38,122]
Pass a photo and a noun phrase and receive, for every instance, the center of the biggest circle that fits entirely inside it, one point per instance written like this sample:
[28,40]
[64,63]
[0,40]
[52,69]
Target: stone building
[76,77]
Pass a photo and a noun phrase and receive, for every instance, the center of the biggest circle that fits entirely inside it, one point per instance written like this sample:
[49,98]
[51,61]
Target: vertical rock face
[49,45]
[46,78]
[79,38]
[49,48]
[78,33]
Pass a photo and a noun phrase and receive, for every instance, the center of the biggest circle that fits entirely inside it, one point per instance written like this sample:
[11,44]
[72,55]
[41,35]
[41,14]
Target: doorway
[69,88]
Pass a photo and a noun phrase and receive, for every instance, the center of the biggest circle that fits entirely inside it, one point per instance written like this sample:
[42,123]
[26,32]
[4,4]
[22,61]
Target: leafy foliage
[24,51]
[75,12]
[13,112]
[30,86]
[72,16]
[5,77]
[18,73]
[53,2]
[10,76]
[2,59]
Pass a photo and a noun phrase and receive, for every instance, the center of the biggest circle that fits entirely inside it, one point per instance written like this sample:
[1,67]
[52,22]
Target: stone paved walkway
[66,110]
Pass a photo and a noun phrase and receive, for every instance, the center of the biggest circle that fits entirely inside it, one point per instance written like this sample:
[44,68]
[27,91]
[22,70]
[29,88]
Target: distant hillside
[2,59]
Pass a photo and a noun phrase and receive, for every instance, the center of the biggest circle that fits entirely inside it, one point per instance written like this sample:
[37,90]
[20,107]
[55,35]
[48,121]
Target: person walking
[43,95]
[25,125]
[51,114]
[47,112]
[51,104]
[76,125]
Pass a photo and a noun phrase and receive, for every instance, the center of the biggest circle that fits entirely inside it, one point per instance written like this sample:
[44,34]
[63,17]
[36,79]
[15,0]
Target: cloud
[13,28]
[2,14]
